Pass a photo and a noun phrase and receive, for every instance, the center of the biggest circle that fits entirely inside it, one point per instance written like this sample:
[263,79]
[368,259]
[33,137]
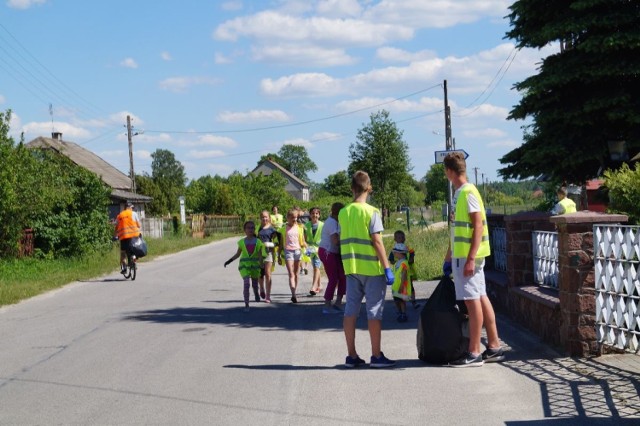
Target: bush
[624,196]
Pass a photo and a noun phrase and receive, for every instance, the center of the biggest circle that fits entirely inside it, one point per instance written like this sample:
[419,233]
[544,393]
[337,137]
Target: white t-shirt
[329,228]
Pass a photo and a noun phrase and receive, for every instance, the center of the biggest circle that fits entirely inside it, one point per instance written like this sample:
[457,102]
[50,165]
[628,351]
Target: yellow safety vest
[463,228]
[313,240]
[400,288]
[277,220]
[568,205]
[356,246]
[249,264]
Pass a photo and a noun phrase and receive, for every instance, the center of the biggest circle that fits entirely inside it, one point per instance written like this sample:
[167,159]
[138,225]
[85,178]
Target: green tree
[296,159]
[384,155]
[169,175]
[338,184]
[436,184]
[622,185]
[586,94]
[147,186]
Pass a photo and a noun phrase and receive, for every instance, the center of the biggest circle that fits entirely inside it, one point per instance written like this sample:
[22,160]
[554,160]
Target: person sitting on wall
[565,205]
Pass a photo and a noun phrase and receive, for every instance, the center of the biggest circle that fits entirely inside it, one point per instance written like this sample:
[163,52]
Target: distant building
[119,183]
[296,187]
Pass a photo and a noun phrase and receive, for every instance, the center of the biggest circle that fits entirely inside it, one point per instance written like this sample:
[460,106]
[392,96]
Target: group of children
[291,242]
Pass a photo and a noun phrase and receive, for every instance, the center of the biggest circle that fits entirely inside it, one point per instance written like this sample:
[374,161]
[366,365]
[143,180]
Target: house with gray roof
[119,183]
[296,187]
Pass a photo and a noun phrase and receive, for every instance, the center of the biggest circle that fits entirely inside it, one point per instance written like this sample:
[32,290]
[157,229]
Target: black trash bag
[138,247]
[440,330]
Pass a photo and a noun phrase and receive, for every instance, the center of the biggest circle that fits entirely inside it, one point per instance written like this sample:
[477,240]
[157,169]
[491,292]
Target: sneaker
[493,355]
[381,361]
[353,362]
[123,269]
[467,360]
[267,300]
[294,299]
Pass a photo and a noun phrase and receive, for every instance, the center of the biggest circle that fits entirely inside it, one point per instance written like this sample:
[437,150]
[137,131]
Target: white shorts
[469,288]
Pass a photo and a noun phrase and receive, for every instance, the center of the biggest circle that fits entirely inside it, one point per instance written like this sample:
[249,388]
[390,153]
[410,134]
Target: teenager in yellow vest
[468,247]
[565,205]
[367,269]
[251,253]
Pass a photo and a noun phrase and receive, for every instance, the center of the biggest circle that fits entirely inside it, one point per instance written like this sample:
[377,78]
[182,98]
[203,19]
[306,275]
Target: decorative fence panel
[499,248]
[617,285]
[545,258]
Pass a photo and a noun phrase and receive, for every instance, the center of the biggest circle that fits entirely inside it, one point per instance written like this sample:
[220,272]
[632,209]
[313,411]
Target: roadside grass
[430,246]
[24,278]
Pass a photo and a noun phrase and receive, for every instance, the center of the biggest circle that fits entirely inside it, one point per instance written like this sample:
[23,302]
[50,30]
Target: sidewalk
[575,389]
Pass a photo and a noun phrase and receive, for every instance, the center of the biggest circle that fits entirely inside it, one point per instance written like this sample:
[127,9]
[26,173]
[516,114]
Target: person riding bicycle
[127,227]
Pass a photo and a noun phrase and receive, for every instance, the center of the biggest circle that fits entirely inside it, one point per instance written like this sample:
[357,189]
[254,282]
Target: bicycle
[131,268]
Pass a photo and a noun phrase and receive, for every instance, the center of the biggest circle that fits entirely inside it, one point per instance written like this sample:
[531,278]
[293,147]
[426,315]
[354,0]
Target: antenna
[51,114]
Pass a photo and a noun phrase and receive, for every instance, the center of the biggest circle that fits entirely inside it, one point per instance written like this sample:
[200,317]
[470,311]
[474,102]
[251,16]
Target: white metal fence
[545,258]
[617,263]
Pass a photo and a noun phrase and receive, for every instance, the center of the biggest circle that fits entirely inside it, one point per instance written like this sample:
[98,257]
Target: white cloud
[121,118]
[423,104]
[435,14]
[24,4]
[307,84]
[129,63]
[142,154]
[252,116]
[485,111]
[205,154]
[166,56]
[210,140]
[182,84]
[269,26]
[484,133]
[297,141]
[231,5]
[392,54]
[326,137]
[339,8]
[69,131]
[301,55]
[221,59]
[149,138]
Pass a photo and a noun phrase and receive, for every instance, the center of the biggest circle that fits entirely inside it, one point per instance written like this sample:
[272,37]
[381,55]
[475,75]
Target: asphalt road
[175,347]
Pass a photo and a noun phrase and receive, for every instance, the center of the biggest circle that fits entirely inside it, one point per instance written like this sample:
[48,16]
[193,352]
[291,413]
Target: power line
[299,123]
[492,90]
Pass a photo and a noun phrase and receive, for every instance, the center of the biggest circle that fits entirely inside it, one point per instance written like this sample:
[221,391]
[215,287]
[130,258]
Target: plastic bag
[138,247]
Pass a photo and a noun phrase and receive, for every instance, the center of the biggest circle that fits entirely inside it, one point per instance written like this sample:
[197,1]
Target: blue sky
[220,83]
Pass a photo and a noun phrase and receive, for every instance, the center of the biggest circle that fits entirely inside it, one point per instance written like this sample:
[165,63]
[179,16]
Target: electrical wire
[299,123]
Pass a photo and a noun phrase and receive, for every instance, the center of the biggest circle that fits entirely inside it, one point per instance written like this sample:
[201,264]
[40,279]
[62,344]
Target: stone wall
[564,317]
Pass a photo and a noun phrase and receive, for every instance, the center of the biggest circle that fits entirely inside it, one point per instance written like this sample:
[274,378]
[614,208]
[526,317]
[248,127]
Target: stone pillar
[576,281]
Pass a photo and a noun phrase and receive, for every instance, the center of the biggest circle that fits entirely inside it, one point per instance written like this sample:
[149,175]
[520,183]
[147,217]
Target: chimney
[56,135]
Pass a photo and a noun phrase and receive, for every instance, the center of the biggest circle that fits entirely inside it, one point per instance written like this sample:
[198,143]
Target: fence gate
[617,259]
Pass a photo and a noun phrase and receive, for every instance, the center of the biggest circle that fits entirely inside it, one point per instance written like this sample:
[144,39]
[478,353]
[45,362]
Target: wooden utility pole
[130,139]
[448,145]
[475,169]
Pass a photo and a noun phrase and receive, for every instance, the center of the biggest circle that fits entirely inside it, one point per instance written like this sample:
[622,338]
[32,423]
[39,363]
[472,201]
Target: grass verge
[430,246]
[24,278]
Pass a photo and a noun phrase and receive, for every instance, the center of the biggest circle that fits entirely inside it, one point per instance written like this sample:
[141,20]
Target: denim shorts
[293,254]
[372,289]
[315,261]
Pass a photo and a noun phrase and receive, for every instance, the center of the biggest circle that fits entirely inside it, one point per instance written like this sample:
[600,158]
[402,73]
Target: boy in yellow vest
[468,247]
[366,268]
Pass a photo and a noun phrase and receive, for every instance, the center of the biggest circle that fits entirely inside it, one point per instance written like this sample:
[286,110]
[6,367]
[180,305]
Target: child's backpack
[440,329]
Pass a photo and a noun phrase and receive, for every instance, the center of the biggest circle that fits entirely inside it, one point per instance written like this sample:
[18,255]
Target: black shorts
[125,244]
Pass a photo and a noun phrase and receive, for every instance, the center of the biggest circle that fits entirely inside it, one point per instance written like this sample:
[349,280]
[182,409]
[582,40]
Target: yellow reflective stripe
[459,239]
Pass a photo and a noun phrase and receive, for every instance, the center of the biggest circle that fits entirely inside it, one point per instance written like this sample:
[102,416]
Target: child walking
[313,235]
[251,252]
[400,238]
[269,237]
[401,288]
[293,243]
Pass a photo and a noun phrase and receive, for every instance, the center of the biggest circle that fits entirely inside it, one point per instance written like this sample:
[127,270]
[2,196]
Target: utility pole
[130,139]
[475,169]
[448,145]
